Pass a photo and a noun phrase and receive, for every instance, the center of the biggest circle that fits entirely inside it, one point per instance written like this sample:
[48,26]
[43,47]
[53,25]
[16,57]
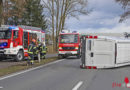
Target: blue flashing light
[12,27]
[5,44]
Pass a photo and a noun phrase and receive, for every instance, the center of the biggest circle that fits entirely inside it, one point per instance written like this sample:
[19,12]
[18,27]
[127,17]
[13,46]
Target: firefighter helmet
[34,40]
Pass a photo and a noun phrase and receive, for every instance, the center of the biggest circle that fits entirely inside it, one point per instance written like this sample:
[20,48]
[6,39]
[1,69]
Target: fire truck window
[15,33]
[25,39]
[76,38]
[31,36]
[5,34]
[67,38]
[34,35]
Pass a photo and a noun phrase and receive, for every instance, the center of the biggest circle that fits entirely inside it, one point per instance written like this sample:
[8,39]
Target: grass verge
[20,67]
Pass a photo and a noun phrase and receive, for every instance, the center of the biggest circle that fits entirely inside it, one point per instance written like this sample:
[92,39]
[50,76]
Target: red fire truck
[69,44]
[14,40]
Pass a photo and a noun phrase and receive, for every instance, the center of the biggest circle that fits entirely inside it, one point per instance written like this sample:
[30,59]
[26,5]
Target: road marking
[28,70]
[124,85]
[1,87]
[78,85]
[128,85]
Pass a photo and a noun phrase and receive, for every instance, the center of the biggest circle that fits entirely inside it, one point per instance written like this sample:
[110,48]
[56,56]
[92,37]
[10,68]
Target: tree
[10,9]
[15,12]
[126,6]
[24,12]
[1,10]
[33,14]
[59,11]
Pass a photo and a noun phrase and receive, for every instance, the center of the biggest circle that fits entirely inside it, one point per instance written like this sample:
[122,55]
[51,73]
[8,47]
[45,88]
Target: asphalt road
[66,75]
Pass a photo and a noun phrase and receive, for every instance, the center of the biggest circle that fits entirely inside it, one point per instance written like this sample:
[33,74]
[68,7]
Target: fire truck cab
[69,44]
[14,40]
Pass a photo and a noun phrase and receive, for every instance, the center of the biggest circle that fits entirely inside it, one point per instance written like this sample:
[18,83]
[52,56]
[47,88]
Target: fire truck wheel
[19,56]
[78,56]
[2,58]
[64,56]
[60,56]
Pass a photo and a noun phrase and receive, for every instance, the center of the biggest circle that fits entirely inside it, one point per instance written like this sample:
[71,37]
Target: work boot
[28,63]
[32,62]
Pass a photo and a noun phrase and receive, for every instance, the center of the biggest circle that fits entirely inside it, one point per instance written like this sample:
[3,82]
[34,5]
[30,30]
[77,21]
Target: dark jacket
[32,48]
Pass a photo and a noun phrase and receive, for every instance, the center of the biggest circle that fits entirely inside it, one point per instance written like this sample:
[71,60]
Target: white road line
[128,85]
[1,87]
[78,85]
[21,72]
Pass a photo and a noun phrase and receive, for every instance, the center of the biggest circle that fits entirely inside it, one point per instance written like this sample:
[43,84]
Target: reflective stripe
[30,52]
[34,47]
[29,57]
[32,61]
[43,51]
[30,49]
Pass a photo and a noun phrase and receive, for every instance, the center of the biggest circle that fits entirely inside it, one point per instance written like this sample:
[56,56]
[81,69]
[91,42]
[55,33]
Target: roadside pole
[39,57]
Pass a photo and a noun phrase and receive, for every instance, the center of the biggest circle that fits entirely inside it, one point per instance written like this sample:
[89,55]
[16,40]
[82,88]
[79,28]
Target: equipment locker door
[123,52]
[103,52]
[89,52]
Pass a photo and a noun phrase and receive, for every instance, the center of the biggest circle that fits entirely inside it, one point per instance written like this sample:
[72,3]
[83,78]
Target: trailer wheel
[19,56]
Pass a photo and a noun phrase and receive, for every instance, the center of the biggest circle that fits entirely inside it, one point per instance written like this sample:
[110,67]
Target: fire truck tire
[64,56]
[60,56]
[78,56]
[19,56]
[2,58]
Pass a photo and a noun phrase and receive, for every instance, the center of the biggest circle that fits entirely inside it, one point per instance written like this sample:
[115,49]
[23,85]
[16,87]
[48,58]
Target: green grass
[20,67]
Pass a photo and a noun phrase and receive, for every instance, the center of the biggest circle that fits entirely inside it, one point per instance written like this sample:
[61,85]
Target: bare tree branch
[60,10]
[126,5]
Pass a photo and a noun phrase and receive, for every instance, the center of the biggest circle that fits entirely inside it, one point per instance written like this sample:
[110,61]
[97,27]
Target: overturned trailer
[105,52]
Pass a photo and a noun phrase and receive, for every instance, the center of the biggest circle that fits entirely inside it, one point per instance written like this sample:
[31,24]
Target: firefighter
[38,41]
[37,46]
[31,52]
[43,51]
[39,51]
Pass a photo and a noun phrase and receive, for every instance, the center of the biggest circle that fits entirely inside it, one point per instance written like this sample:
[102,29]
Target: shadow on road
[117,68]
[71,58]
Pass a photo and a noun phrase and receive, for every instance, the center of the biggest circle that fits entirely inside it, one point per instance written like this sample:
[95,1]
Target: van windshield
[69,38]
[5,34]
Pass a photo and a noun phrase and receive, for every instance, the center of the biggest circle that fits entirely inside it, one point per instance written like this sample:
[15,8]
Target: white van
[105,52]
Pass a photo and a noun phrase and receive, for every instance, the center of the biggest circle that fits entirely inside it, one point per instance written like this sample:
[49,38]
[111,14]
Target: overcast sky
[104,18]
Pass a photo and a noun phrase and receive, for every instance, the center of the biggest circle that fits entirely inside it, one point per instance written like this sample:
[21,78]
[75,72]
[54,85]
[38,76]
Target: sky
[104,17]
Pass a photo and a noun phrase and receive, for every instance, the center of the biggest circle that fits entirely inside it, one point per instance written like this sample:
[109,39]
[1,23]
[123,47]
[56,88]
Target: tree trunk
[57,24]
[53,28]
[1,11]
[64,15]
[61,17]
